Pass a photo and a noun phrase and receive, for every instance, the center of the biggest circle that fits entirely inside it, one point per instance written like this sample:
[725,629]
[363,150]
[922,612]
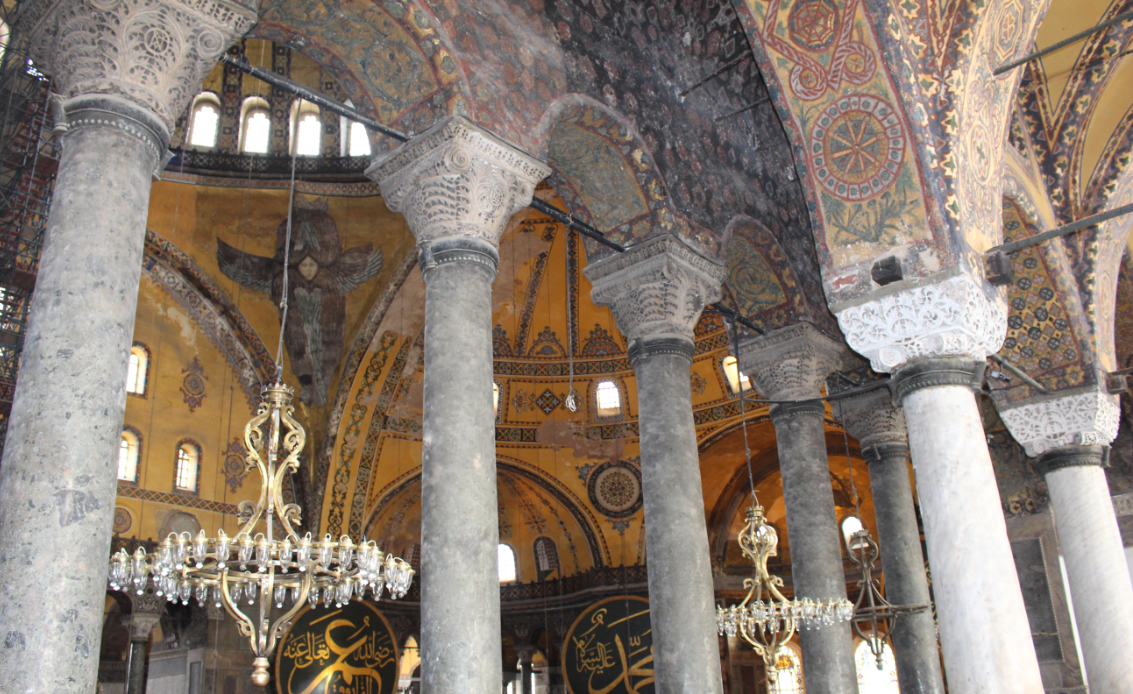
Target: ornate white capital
[872,418]
[790,363]
[656,288]
[949,318]
[457,179]
[1087,418]
[154,53]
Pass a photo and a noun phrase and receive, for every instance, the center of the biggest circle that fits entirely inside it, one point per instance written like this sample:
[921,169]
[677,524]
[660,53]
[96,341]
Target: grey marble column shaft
[58,478]
[457,184]
[1095,563]
[879,426]
[915,648]
[460,590]
[136,668]
[815,542]
[685,647]
[656,291]
[790,364]
[525,672]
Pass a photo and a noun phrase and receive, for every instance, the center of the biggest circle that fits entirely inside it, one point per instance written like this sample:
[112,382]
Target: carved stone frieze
[657,288]
[154,53]
[872,418]
[790,363]
[457,179]
[949,318]
[1088,418]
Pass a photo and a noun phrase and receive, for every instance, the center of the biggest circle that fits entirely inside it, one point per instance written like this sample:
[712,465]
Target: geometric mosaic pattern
[173,499]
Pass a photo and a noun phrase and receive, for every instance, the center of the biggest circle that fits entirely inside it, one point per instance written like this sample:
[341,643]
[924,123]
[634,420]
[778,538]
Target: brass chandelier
[765,618]
[274,567]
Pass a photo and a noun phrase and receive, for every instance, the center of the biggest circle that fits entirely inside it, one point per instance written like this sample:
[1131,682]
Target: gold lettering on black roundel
[609,649]
[347,650]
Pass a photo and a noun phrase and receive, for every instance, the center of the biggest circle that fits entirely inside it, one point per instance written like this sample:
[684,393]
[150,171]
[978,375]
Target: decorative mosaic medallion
[193,385]
[123,521]
[547,402]
[812,23]
[857,145]
[615,489]
[522,400]
[234,465]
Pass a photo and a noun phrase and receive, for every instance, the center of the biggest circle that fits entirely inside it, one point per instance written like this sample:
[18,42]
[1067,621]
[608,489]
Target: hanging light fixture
[275,567]
[765,618]
[874,617]
[257,569]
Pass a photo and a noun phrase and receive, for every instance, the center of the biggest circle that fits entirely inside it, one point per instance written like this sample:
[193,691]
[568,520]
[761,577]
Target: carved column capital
[146,612]
[872,418]
[790,363]
[457,180]
[151,54]
[656,290]
[1087,418]
[951,317]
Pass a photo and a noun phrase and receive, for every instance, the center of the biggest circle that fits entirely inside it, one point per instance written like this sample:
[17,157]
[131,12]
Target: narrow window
[851,525]
[128,456]
[204,121]
[871,679]
[609,399]
[788,673]
[255,126]
[546,556]
[188,461]
[306,129]
[495,397]
[138,370]
[4,34]
[736,380]
[359,140]
[505,557]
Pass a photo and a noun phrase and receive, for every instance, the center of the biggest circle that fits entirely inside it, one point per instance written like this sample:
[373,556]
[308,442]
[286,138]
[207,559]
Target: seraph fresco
[320,275]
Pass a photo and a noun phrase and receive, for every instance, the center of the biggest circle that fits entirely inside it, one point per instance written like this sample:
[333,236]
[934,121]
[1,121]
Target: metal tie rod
[1062,231]
[1063,43]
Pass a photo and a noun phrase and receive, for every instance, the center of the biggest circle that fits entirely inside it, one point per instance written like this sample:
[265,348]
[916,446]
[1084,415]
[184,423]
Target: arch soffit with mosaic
[391,59]
[605,174]
[864,142]
[587,521]
[213,311]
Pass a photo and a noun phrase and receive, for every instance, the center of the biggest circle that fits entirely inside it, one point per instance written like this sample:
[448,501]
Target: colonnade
[457,185]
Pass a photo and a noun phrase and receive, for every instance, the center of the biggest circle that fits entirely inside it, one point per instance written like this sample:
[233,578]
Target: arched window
[505,557]
[608,399]
[546,556]
[306,129]
[129,451]
[188,467]
[788,672]
[137,374]
[496,399]
[736,380]
[204,121]
[872,680]
[357,140]
[255,126]
[5,33]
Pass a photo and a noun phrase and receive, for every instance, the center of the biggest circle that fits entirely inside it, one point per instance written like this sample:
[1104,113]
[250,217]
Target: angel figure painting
[320,275]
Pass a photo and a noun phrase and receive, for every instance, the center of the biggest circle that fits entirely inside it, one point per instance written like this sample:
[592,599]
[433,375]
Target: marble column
[934,338]
[879,426]
[124,70]
[457,186]
[791,364]
[1067,435]
[147,611]
[656,291]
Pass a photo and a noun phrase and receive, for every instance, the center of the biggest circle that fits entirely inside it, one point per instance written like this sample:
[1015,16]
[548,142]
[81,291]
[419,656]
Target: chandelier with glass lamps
[274,567]
[765,618]
[874,616]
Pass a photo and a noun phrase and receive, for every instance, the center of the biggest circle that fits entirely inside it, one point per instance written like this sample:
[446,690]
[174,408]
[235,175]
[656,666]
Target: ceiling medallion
[615,489]
[857,146]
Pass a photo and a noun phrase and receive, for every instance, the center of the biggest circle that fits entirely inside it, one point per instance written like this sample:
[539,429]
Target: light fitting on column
[765,618]
[874,617]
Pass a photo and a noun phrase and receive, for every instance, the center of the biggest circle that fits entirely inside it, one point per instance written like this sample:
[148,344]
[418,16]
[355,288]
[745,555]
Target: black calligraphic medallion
[347,650]
[609,649]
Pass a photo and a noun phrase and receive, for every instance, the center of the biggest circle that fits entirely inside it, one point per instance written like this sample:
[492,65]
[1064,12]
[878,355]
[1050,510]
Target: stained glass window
[788,673]
[871,680]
